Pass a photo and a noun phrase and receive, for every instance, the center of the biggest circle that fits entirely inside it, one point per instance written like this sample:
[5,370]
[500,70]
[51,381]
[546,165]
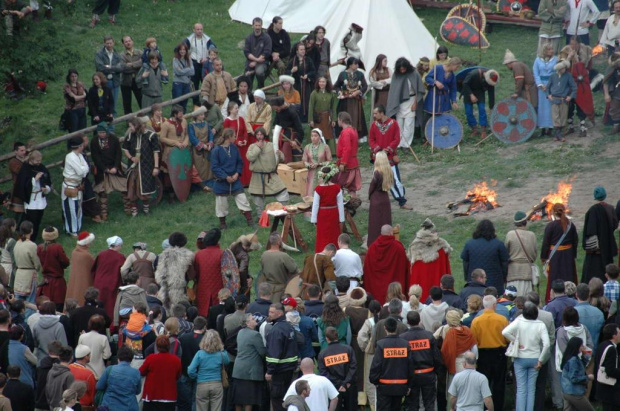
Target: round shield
[471,13]
[513,120]
[448,131]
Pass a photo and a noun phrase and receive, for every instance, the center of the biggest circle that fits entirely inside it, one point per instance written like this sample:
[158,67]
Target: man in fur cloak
[174,269]
[430,258]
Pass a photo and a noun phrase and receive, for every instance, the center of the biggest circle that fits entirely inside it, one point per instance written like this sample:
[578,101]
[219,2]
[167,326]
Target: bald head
[470,359]
[387,230]
[307,366]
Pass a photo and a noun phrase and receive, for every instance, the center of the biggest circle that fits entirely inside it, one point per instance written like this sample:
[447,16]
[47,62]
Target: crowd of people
[178,330]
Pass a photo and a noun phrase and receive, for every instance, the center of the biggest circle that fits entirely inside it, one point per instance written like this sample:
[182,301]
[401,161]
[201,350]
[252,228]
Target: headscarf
[457,341]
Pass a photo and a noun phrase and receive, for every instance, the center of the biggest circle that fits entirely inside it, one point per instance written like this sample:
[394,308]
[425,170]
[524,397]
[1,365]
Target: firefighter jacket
[391,368]
[425,354]
[282,353]
[337,363]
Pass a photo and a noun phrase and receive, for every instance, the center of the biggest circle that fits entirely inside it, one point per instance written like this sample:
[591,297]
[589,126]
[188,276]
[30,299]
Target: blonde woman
[380,212]
[206,370]
[415,293]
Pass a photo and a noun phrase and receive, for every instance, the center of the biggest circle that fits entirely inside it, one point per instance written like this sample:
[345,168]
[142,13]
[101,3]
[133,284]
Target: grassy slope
[37,118]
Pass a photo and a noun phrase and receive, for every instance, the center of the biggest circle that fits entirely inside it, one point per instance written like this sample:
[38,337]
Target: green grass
[36,119]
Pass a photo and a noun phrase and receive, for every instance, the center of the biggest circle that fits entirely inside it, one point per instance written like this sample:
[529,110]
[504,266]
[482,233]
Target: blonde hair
[172,326]
[546,47]
[474,303]
[454,61]
[35,155]
[382,165]
[223,294]
[211,342]
[415,292]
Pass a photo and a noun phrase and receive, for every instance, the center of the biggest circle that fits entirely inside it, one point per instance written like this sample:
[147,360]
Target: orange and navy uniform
[392,368]
[425,354]
[337,362]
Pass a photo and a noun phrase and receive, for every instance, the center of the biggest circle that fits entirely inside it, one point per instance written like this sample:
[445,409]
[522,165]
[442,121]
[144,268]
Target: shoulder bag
[224,373]
[513,347]
[601,375]
[533,266]
[570,224]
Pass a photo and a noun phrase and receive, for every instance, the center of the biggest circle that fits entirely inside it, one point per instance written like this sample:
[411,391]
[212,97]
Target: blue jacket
[593,320]
[17,357]
[574,378]
[556,308]
[311,335]
[121,387]
[224,166]
[491,256]
[282,353]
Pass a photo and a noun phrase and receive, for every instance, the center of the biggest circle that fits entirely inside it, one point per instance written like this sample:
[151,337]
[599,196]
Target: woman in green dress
[322,109]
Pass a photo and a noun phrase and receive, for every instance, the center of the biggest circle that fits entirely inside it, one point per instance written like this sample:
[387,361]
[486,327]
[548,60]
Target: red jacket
[162,370]
[384,136]
[81,373]
[347,148]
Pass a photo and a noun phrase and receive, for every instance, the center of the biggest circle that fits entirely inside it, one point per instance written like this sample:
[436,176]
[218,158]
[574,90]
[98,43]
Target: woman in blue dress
[543,69]
[441,82]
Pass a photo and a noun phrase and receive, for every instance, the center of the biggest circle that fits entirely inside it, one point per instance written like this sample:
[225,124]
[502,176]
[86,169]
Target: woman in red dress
[244,137]
[327,209]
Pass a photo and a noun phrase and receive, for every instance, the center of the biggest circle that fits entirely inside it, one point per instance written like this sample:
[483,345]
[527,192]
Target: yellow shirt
[487,328]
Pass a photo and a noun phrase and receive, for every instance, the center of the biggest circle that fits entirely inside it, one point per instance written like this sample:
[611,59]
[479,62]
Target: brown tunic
[525,86]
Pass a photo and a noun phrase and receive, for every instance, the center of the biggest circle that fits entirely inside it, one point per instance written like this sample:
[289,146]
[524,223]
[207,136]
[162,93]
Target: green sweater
[344,332]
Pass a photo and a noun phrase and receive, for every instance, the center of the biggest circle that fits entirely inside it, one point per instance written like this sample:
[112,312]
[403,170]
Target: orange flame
[562,196]
[481,193]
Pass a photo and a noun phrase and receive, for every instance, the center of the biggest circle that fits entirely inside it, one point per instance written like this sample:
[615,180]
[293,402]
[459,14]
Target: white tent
[391,27]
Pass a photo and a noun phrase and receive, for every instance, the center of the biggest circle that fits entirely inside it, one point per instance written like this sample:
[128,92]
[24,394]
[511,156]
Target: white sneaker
[363,140]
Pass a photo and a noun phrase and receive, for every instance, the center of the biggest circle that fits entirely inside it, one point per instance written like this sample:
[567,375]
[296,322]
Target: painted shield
[513,120]
[471,13]
[511,6]
[448,131]
[457,30]
[179,168]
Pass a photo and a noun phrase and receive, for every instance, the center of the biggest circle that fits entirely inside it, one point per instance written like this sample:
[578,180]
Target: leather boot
[483,132]
[223,223]
[474,131]
[249,218]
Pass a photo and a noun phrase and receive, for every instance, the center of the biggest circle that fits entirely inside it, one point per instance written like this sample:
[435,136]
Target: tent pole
[479,25]
[434,97]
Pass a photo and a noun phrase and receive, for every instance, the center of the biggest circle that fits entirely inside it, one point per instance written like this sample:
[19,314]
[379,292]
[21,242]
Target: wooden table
[289,228]
[348,219]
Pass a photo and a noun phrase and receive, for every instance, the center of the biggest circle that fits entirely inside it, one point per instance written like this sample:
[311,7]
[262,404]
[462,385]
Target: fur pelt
[425,247]
[170,275]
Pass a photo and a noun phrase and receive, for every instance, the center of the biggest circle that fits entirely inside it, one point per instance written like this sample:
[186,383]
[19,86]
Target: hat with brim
[287,79]
[85,238]
[50,234]
[491,77]
[520,217]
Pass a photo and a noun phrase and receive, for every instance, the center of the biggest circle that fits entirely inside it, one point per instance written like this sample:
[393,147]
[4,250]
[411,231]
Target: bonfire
[480,198]
[544,209]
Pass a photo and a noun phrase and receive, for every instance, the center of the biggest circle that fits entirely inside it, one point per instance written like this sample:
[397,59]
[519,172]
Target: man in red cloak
[107,273]
[429,256]
[208,267]
[386,262]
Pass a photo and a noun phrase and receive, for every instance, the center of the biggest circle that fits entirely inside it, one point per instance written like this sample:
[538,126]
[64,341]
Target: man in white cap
[259,113]
[525,86]
[107,273]
[82,372]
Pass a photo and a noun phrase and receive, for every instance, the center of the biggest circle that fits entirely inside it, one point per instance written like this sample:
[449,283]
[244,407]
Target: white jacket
[533,338]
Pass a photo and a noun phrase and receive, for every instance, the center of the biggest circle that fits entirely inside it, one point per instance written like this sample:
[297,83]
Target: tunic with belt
[106,272]
[200,136]
[327,214]
[260,116]
[323,105]
[262,161]
[240,127]
[75,170]
[54,262]
[208,268]
[562,265]
[28,266]
[525,87]
[318,154]
[543,69]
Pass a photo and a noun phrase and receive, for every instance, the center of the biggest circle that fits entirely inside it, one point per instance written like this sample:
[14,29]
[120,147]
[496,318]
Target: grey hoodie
[128,296]
[58,380]
[432,316]
[564,334]
[46,330]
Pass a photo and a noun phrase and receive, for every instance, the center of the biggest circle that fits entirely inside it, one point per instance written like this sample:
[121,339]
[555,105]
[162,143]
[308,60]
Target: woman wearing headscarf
[574,379]
[54,261]
[430,258]
[327,209]
[106,273]
[315,155]
[559,248]
[457,339]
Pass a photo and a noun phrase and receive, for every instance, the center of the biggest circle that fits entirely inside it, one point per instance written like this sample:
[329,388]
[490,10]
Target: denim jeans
[77,119]
[178,89]
[482,113]
[526,376]
[186,399]
[114,89]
